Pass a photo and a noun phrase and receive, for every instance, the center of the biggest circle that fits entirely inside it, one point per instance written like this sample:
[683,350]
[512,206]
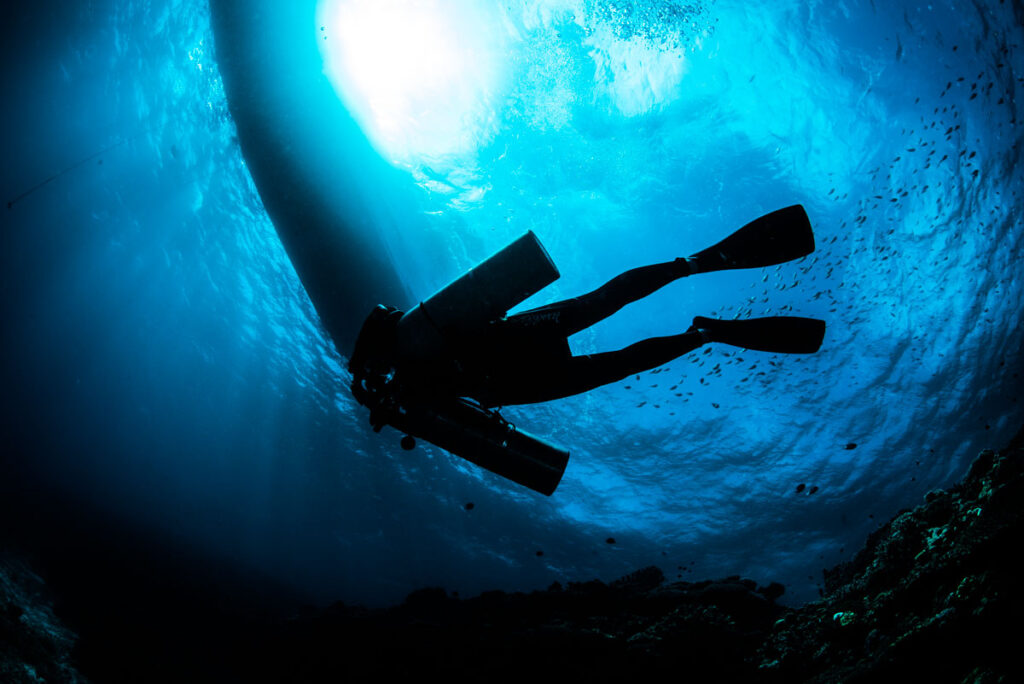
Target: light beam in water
[417,74]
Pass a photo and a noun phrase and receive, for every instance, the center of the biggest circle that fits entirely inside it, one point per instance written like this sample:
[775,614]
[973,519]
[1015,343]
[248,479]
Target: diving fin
[775,238]
[782,334]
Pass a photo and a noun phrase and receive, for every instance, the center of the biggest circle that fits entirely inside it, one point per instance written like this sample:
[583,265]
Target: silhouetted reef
[934,596]
[34,644]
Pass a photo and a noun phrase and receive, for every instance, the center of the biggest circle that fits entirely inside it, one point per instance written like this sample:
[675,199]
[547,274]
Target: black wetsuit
[525,358]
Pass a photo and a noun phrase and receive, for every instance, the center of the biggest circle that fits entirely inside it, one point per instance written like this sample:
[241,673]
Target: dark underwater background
[176,416]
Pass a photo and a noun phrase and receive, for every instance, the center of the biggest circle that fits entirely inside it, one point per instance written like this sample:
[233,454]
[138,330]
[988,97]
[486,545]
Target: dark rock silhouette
[34,645]
[933,596]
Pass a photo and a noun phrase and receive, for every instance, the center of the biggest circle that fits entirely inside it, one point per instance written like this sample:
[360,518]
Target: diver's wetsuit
[525,358]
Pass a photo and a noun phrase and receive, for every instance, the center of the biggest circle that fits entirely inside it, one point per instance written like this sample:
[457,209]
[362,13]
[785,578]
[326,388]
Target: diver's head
[375,346]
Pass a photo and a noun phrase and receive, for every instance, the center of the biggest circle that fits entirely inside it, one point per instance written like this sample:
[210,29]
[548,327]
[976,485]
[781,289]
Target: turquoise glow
[168,367]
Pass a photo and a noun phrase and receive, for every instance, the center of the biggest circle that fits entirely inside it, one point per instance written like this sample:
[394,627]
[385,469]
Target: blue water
[163,364]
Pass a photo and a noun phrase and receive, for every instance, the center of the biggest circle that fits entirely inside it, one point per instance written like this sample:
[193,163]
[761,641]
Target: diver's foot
[775,238]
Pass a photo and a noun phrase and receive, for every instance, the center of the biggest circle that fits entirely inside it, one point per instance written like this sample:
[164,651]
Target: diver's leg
[569,316]
[583,373]
[594,370]
[775,238]
[560,378]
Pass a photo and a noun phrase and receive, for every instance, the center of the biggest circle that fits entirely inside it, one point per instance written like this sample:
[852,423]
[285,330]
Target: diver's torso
[503,363]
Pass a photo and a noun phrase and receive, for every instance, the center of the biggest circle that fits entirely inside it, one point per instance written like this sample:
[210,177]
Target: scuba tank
[390,340]
[483,294]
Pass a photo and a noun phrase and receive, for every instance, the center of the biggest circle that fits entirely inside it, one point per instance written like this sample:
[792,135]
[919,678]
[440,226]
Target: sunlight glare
[417,74]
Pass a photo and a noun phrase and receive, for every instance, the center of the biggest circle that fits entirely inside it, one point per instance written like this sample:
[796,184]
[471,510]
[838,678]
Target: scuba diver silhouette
[438,370]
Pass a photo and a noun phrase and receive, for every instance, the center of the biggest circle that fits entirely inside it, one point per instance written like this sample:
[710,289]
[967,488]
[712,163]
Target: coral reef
[933,596]
[34,645]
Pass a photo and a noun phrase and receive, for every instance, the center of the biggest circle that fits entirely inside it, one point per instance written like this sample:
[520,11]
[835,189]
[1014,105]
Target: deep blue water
[163,365]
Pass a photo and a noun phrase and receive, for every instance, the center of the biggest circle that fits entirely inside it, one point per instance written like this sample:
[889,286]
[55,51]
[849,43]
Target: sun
[418,75]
